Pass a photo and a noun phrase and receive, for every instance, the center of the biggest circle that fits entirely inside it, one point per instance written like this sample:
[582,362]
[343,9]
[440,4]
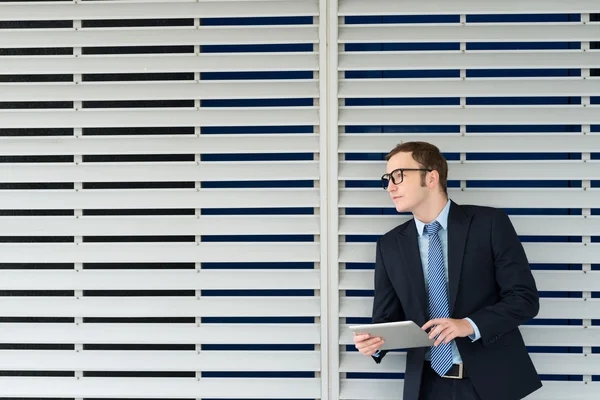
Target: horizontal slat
[147,198]
[561,335]
[226,388]
[536,225]
[388,389]
[123,307]
[549,308]
[546,364]
[573,280]
[506,198]
[545,280]
[485,170]
[158,280]
[477,142]
[304,88]
[569,308]
[53,360]
[172,333]
[160,144]
[273,116]
[573,364]
[205,62]
[471,115]
[159,252]
[472,87]
[437,7]
[160,225]
[472,33]
[556,335]
[204,35]
[433,60]
[537,253]
[161,172]
[164,9]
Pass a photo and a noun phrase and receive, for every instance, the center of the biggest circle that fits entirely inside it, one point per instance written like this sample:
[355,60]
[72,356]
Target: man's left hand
[447,329]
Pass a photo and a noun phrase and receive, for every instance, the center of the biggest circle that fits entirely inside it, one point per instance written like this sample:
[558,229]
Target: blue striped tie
[441,356]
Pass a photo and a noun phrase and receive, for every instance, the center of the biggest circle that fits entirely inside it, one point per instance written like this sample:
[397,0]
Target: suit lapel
[409,249]
[458,228]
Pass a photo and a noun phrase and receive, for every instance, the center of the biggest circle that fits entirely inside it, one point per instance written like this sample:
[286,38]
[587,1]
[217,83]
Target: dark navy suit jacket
[489,281]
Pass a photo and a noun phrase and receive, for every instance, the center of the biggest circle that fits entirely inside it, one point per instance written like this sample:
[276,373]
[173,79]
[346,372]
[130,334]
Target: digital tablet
[396,335]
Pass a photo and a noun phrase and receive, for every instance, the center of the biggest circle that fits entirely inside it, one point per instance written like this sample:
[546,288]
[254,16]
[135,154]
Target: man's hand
[447,329]
[366,344]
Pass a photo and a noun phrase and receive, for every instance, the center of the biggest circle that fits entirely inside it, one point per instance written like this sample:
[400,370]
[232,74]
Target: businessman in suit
[459,272]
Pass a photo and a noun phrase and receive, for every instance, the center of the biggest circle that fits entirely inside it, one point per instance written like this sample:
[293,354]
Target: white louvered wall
[161,212]
[445,72]
[190,197]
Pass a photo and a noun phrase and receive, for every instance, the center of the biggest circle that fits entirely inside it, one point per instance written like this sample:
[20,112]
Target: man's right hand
[366,344]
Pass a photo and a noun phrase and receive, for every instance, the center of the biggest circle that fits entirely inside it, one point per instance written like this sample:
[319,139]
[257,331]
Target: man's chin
[401,209]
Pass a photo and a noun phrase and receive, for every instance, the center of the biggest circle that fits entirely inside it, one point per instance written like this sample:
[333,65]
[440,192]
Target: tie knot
[433,228]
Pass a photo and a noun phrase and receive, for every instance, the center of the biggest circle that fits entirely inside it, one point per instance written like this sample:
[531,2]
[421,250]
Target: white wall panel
[391,7]
[158,9]
[157,280]
[116,64]
[160,91]
[161,197]
[479,143]
[159,225]
[517,32]
[185,183]
[160,144]
[149,37]
[56,360]
[508,92]
[389,389]
[390,60]
[153,388]
[150,198]
[155,307]
[157,117]
[147,333]
[476,87]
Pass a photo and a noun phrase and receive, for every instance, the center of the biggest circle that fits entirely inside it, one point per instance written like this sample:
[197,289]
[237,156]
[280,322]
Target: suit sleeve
[386,304]
[519,298]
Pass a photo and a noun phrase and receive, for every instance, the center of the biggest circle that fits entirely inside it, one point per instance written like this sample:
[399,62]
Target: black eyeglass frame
[385,178]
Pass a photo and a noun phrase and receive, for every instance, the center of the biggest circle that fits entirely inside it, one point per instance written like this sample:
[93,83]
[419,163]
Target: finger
[450,337]
[366,343]
[359,337]
[436,331]
[431,323]
[362,339]
[439,333]
[369,351]
[372,343]
[443,336]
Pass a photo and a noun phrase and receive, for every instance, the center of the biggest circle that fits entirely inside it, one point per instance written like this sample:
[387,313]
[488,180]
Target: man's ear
[434,177]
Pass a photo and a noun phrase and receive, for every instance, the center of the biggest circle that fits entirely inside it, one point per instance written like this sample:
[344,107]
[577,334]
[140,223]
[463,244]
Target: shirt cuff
[477,334]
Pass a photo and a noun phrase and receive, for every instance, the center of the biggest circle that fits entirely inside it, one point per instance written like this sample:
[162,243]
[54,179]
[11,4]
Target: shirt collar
[442,219]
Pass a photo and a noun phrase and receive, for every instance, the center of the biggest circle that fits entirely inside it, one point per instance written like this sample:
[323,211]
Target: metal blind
[182,179]
[160,214]
[509,92]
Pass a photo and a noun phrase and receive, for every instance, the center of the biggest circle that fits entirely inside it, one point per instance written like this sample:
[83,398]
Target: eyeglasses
[397,176]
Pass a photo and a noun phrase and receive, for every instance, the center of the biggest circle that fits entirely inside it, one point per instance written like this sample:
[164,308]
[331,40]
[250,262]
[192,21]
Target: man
[459,272]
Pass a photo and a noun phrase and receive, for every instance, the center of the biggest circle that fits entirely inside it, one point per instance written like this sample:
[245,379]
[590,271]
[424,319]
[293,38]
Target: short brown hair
[428,156]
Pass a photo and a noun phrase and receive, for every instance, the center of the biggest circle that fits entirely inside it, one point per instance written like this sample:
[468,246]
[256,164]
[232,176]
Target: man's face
[410,193]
